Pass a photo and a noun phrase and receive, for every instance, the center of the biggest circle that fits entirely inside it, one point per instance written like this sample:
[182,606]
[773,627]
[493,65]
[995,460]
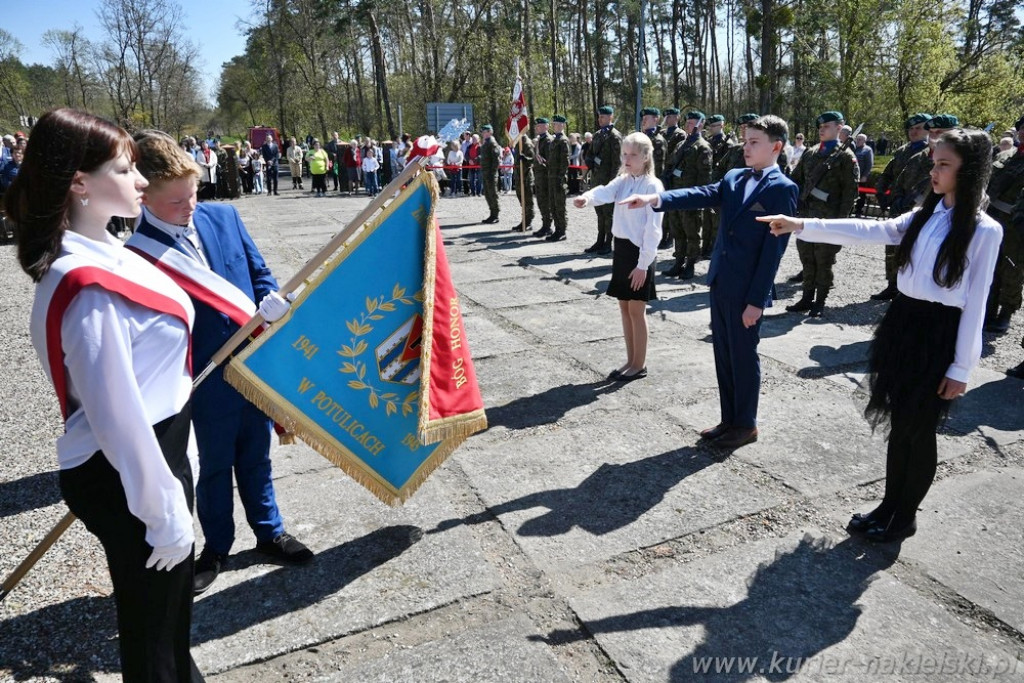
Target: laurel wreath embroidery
[359,327]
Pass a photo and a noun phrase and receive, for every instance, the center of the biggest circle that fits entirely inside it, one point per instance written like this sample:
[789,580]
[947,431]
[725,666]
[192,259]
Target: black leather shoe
[799,277]
[817,308]
[594,248]
[556,236]
[801,306]
[287,548]
[859,523]
[605,249]
[736,437]
[687,272]
[877,533]
[639,374]
[716,431]
[887,294]
[1016,371]
[615,374]
[206,570]
[543,232]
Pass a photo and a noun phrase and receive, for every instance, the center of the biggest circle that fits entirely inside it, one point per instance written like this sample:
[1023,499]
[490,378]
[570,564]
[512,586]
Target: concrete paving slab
[832,446]
[812,347]
[573,496]
[802,608]
[498,294]
[991,406]
[502,651]
[382,569]
[487,267]
[490,335]
[571,322]
[971,538]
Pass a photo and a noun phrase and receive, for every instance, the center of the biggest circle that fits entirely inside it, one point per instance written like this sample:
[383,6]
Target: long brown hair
[38,202]
[975,151]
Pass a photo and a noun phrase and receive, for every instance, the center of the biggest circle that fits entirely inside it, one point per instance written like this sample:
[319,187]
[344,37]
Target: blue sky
[212,21]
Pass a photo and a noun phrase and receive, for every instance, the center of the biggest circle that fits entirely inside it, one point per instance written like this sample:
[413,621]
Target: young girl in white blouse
[636,234]
[930,338]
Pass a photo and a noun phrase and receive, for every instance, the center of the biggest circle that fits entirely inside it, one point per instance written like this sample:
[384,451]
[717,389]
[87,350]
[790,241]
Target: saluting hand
[782,225]
[639,201]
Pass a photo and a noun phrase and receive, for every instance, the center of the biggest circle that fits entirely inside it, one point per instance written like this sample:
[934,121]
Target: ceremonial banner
[371,366]
[518,119]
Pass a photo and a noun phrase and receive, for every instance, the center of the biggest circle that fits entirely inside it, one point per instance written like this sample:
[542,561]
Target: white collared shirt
[126,371]
[916,280]
[184,235]
[752,183]
[642,227]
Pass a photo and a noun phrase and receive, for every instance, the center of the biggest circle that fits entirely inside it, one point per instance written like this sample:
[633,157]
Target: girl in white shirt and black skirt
[636,234]
[930,338]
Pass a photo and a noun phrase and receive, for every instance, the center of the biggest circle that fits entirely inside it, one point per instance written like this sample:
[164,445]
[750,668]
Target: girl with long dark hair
[112,333]
[930,338]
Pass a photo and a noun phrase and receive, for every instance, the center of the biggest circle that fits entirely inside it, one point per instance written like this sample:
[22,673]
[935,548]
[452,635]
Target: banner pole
[522,187]
[407,174]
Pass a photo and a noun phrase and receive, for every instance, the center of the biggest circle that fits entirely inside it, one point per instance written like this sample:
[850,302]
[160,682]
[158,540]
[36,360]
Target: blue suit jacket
[746,255]
[231,254]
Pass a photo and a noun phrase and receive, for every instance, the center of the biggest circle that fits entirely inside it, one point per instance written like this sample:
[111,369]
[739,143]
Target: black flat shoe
[859,523]
[876,533]
[207,568]
[639,374]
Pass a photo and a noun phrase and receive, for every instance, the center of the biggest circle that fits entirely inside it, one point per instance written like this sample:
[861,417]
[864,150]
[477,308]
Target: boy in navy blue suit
[209,253]
[743,265]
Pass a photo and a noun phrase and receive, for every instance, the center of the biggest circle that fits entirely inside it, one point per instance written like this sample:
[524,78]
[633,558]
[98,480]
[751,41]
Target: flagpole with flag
[517,125]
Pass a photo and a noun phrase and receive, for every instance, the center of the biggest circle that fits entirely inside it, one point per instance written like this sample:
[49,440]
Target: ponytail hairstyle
[38,202]
[975,151]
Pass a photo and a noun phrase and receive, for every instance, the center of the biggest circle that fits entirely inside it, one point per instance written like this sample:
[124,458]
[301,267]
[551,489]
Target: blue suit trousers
[736,361]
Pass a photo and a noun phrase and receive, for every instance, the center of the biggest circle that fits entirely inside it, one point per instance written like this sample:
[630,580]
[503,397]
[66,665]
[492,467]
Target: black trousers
[910,463]
[272,173]
[154,608]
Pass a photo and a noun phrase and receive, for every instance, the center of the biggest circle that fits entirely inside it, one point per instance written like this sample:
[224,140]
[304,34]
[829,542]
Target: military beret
[558,118]
[650,111]
[916,119]
[487,127]
[1020,122]
[942,121]
[671,111]
[606,110]
[830,116]
[695,114]
[541,119]
[717,118]
[747,118]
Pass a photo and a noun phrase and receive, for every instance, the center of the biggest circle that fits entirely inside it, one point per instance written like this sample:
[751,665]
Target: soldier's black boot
[1016,371]
[887,294]
[804,304]
[606,246]
[675,269]
[665,242]
[799,277]
[544,231]
[818,307]
[1001,325]
[687,271]
[596,246]
[556,236]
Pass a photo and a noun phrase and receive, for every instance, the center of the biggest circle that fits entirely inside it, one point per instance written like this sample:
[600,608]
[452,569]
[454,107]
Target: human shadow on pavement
[996,404]
[29,493]
[611,498]
[832,360]
[68,642]
[687,302]
[797,605]
[549,406]
[290,589]
[555,258]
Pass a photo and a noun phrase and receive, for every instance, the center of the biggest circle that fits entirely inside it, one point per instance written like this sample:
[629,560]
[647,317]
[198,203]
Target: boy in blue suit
[743,266]
[209,253]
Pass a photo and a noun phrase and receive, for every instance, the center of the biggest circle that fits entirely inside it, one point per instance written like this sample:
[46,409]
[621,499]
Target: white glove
[273,307]
[166,557]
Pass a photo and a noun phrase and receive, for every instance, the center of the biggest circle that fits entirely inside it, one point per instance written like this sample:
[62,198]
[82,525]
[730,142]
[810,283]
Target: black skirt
[624,260]
[913,347]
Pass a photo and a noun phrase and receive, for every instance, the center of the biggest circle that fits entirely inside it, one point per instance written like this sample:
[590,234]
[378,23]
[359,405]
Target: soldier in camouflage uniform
[542,147]
[1004,188]
[522,180]
[828,178]
[732,156]
[690,166]
[721,142]
[603,160]
[490,160]
[558,177]
[649,126]
[917,137]
[1017,223]
[674,136]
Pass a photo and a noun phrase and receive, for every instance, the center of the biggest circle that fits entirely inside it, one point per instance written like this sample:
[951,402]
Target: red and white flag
[518,119]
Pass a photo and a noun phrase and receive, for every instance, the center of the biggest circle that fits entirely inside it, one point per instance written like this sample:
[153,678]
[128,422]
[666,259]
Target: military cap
[541,119]
[747,118]
[558,118]
[650,111]
[830,116]
[695,114]
[671,111]
[717,118]
[606,110]
[942,121]
[916,119]
[487,127]
[1020,122]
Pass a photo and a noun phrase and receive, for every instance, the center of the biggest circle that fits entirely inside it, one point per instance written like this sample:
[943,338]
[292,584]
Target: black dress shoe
[615,374]
[878,533]
[206,570]
[860,522]
[736,437]
[287,548]
[716,431]
[1016,371]
[639,374]
[556,236]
